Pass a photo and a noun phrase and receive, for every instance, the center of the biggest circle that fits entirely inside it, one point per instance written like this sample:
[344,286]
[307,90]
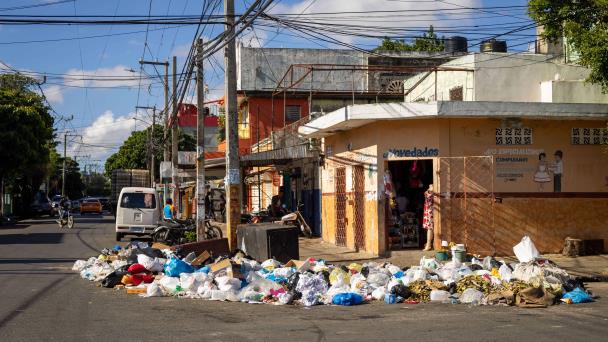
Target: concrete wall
[510,78]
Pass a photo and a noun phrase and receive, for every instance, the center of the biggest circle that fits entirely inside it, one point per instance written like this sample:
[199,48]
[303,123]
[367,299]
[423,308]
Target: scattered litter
[152,272]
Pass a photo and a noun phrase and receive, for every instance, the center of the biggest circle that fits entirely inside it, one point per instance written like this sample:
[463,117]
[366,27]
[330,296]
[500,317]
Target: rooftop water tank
[455,44]
[493,45]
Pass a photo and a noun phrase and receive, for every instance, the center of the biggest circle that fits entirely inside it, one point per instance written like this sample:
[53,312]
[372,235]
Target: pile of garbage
[152,272]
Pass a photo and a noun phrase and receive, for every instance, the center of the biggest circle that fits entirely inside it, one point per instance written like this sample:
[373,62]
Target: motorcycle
[65,217]
[173,232]
[296,219]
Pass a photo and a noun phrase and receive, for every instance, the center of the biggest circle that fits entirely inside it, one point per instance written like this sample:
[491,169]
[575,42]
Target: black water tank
[493,45]
[455,44]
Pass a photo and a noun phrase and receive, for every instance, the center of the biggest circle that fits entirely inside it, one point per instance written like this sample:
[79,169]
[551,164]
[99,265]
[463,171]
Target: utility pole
[166,118]
[174,134]
[151,143]
[233,174]
[200,144]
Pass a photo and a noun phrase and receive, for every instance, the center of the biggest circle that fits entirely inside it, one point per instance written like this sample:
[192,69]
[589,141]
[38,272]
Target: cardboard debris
[300,265]
[227,267]
[199,260]
[137,290]
[160,246]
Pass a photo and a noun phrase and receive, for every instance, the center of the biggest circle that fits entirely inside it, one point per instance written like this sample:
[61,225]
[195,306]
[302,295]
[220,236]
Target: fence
[466,204]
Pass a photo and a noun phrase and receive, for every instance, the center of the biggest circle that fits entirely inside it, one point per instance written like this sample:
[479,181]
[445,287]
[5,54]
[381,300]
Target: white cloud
[181,50]
[54,94]
[116,76]
[103,137]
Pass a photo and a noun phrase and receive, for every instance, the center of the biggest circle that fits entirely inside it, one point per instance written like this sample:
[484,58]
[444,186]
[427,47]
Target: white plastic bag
[471,296]
[228,284]
[79,265]
[505,273]
[525,251]
[169,284]
[378,279]
[153,290]
[151,264]
[440,296]
[378,294]
[191,281]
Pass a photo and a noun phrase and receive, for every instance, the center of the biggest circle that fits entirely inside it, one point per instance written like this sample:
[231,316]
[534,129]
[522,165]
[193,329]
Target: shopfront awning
[359,115]
[277,157]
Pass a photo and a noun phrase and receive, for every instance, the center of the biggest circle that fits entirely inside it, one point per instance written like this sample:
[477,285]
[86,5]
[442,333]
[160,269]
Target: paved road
[42,300]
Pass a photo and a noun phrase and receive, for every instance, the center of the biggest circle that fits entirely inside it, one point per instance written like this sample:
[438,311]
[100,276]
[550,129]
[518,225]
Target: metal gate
[359,206]
[466,206]
[340,184]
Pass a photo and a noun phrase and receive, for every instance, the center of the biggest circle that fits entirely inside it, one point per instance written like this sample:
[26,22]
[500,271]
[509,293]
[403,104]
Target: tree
[97,185]
[584,24]
[26,136]
[429,42]
[134,152]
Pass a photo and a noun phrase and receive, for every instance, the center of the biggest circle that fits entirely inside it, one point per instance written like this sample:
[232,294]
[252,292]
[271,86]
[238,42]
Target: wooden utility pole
[200,144]
[151,145]
[233,172]
[174,136]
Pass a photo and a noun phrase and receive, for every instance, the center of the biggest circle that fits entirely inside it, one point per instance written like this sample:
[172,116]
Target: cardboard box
[199,260]
[137,290]
[228,268]
[160,246]
[300,265]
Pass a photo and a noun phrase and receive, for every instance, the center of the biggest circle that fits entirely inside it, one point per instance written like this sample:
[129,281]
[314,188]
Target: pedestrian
[168,210]
[427,219]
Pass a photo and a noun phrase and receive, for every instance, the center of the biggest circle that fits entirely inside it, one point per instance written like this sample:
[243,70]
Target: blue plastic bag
[204,269]
[578,296]
[348,298]
[175,267]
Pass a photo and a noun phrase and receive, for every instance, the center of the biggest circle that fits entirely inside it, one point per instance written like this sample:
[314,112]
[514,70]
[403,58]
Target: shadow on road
[31,239]
[36,260]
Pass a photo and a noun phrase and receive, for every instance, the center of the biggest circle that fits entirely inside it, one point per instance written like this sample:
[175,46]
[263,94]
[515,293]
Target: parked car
[105,203]
[76,205]
[138,212]
[90,205]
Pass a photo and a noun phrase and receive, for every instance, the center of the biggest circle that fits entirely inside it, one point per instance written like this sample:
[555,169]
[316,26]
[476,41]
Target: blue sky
[102,111]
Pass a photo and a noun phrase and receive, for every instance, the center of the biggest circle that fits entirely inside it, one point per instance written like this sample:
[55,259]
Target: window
[456,94]
[292,113]
[514,136]
[138,200]
[589,136]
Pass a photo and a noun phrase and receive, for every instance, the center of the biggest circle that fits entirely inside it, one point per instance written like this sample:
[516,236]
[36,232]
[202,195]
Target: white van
[137,212]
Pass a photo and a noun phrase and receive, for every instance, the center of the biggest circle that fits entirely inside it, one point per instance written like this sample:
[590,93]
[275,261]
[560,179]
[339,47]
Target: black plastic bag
[401,291]
[114,278]
[365,271]
[475,267]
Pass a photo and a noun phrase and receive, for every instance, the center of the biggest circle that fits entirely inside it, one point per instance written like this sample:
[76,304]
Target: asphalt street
[43,300]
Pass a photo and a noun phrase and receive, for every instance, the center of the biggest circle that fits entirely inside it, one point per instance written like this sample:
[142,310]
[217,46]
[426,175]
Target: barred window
[514,136]
[292,113]
[589,136]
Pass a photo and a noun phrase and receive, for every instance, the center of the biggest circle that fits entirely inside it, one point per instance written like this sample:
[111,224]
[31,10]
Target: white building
[507,77]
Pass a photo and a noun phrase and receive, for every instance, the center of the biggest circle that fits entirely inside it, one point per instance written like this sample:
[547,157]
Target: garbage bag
[285,298]
[270,264]
[534,297]
[347,299]
[79,265]
[505,272]
[137,269]
[428,263]
[151,264]
[378,294]
[378,279]
[577,296]
[471,296]
[175,267]
[355,268]
[525,251]
[358,284]
[191,281]
[170,285]
[112,279]
[401,291]
[283,272]
[439,296]
[312,287]
[393,269]
[527,272]
[154,290]
[339,277]
[137,279]
[228,284]
[259,286]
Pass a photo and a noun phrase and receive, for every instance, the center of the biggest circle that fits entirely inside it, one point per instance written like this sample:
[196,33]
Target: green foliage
[190,236]
[221,125]
[97,185]
[429,42]
[134,152]
[585,26]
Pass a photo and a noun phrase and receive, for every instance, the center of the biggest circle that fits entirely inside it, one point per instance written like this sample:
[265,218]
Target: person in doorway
[558,169]
[276,204]
[208,208]
[168,210]
[427,218]
[542,176]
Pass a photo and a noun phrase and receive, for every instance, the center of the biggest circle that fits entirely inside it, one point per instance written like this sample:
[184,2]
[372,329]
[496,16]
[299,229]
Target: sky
[100,112]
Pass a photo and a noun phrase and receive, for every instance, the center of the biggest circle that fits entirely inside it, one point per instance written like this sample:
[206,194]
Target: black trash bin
[264,241]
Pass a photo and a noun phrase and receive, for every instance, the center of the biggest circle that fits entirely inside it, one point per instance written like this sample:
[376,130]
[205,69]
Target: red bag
[137,268]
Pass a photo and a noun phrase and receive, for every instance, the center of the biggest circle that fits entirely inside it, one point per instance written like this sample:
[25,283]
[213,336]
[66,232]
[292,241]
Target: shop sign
[413,152]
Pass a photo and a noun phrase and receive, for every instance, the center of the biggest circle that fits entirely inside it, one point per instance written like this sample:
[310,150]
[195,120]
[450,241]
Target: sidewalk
[590,268]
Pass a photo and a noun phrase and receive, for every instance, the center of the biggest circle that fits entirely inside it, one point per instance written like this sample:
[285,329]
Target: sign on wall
[414,152]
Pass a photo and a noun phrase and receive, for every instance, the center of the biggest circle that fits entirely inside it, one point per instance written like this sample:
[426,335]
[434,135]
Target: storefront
[499,171]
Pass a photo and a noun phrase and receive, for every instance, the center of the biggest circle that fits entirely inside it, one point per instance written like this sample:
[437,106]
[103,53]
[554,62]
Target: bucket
[442,255]
[459,255]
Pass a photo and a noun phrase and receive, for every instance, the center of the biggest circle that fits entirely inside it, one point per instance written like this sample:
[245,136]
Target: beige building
[495,168]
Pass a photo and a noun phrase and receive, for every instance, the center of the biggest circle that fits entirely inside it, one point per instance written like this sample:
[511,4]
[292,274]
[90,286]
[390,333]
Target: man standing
[276,204]
[558,169]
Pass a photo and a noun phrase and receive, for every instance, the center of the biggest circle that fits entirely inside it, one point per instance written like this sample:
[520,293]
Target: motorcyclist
[64,207]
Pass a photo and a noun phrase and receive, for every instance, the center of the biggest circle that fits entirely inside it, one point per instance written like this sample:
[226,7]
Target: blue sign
[413,152]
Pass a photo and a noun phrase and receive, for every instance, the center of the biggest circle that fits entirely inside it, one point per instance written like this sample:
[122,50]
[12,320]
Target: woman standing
[427,219]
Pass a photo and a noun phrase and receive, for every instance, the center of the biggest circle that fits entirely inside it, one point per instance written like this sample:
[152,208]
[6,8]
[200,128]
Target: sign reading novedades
[413,152]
